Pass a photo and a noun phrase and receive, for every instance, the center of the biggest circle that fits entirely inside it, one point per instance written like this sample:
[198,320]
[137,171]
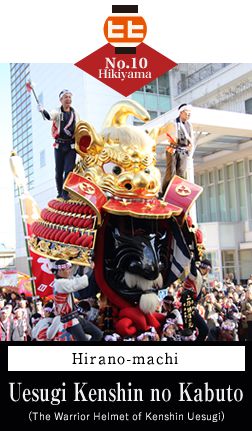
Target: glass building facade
[227,193]
[155,96]
[22,118]
[227,202]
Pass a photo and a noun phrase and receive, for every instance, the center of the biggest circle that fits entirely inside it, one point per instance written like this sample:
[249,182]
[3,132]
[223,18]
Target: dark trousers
[79,331]
[176,164]
[64,163]
[91,328]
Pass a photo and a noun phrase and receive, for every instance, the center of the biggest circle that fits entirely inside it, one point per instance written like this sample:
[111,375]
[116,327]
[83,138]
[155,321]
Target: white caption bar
[126,358]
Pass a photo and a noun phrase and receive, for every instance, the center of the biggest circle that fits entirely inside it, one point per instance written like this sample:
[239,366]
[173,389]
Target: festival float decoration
[140,243]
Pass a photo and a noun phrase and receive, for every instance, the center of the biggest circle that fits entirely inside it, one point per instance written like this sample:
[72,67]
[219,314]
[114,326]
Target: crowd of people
[224,313]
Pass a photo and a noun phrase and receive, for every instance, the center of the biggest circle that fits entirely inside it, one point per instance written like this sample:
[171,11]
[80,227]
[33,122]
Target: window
[221,196]
[248,106]
[220,174]
[212,203]
[210,177]
[230,171]
[201,202]
[228,262]
[231,192]
[202,180]
[222,202]
[211,197]
[153,114]
[241,189]
[163,84]
[250,189]
[215,272]
[240,168]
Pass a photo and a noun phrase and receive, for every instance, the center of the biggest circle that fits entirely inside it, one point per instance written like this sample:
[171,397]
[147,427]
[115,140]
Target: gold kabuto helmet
[121,159]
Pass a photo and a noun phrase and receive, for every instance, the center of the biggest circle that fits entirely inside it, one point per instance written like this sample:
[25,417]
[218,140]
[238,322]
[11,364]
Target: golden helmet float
[139,242]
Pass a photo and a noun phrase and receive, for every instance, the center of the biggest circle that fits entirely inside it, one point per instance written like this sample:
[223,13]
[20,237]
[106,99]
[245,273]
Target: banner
[44,278]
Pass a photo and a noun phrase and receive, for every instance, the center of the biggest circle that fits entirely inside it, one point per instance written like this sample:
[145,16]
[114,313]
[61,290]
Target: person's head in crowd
[205,267]
[239,288]
[8,308]
[242,296]
[112,337]
[49,304]
[39,305]
[35,318]
[225,300]
[170,328]
[23,303]
[230,302]
[219,297]
[62,269]
[231,277]
[84,306]
[210,298]
[215,292]
[150,335]
[228,282]
[2,302]
[227,330]
[129,339]
[168,303]
[18,312]
[13,296]
[171,289]
[49,310]
[248,295]
[3,314]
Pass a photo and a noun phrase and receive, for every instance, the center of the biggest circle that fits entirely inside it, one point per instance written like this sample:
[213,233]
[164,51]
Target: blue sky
[7,225]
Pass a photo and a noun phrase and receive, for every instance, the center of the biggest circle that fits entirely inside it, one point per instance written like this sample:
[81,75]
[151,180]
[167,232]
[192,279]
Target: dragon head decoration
[121,160]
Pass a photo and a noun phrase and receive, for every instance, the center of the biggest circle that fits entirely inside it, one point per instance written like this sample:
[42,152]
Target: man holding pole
[64,120]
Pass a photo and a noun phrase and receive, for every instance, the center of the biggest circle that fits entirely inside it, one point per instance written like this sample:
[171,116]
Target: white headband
[112,337]
[188,337]
[185,108]
[146,334]
[63,266]
[170,322]
[63,92]
[228,325]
